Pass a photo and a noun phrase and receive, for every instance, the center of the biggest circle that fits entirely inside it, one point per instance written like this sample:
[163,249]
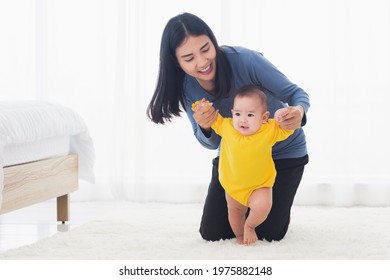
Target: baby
[246,168]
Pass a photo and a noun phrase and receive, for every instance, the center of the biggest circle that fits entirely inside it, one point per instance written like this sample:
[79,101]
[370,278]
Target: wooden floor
[33,223]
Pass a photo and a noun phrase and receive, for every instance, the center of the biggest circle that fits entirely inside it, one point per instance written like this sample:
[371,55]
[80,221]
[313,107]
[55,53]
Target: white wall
[100,58]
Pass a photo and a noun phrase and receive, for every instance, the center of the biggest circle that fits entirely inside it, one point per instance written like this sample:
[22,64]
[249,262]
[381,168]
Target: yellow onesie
[245,162]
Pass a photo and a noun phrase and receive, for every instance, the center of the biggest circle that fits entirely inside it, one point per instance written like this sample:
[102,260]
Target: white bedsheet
[14,154]
[26,122]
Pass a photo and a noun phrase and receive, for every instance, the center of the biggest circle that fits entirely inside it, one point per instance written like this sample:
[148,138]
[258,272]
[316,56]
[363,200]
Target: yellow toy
[195,106]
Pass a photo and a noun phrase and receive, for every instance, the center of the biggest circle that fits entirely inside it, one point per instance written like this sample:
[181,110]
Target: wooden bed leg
[63,208]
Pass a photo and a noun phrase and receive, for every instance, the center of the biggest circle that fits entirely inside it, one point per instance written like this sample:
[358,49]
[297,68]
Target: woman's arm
[293,118]
[201,121]
[279,86]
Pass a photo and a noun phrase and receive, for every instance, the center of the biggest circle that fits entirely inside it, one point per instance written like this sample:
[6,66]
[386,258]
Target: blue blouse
[251,67]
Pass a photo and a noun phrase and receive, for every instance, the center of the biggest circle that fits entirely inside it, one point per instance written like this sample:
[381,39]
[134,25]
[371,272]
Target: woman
[192,67]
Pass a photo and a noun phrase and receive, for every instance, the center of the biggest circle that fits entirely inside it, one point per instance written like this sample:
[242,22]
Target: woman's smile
[207,70]
[197,56]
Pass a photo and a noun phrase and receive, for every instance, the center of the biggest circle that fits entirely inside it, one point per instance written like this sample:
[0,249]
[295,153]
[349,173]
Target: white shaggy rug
[170,231]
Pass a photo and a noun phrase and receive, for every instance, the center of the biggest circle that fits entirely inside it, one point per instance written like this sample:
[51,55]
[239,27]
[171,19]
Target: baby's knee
[237,209]
[262,208]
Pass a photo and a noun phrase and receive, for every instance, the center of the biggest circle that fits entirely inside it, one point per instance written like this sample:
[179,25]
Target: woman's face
[196,56]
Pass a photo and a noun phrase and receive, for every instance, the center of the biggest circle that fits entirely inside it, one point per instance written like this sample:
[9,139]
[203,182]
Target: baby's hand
[280,114]
[201,103]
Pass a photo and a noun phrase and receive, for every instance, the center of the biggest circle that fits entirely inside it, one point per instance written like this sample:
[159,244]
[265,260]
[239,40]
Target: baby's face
[248,115]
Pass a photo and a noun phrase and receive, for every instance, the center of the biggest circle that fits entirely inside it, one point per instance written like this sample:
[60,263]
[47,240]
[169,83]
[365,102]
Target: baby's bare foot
[240,240]
[250,236]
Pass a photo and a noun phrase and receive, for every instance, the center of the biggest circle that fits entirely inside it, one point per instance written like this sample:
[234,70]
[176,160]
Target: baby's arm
[281,134]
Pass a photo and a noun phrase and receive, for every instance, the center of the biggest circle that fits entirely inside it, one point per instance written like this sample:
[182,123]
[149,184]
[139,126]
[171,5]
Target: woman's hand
[291,117]
[204,115]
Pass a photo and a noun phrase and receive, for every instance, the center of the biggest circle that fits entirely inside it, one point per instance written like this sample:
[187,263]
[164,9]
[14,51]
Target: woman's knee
[216,233]
[272,231]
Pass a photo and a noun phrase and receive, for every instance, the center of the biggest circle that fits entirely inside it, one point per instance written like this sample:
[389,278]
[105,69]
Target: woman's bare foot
[250,235]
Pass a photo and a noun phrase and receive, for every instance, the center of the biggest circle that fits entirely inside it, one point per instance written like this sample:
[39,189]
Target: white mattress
[34,130]
[31,151]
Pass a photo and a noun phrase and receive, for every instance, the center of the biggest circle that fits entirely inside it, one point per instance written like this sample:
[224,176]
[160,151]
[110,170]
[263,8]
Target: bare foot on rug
[250,235]
[240,240]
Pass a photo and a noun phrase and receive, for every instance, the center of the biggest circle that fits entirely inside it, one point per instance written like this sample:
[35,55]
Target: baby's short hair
[253,90]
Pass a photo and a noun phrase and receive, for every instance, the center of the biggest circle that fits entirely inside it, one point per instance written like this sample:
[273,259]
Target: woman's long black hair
[168,97]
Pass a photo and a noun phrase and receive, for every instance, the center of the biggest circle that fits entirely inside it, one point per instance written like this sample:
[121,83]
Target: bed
[45,148]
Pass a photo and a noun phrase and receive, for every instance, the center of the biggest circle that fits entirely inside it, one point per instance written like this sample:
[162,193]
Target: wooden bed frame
[30,183]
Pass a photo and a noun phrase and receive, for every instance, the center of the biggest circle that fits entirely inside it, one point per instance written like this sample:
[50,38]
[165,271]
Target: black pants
[215,225]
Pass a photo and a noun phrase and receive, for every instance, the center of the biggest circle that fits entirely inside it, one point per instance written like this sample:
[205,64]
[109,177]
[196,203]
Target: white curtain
[100,57]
